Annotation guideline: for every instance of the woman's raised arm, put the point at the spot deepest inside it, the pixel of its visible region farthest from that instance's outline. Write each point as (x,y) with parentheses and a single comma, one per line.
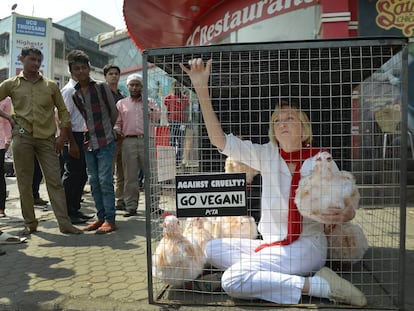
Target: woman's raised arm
(199,74)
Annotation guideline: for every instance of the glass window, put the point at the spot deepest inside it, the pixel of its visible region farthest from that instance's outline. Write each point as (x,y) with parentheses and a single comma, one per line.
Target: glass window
(58,80)
(59,49)
(4,44)
(4,74)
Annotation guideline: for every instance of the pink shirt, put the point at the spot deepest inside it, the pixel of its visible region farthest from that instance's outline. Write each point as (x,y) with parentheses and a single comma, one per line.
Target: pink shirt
(5,128)
(130,120)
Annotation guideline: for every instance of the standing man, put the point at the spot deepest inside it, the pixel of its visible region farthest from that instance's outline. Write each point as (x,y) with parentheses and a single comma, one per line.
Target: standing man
(74,175)
(130,126)
(96,104)
(5,140)
(176,103)
(33,124)
(112,74)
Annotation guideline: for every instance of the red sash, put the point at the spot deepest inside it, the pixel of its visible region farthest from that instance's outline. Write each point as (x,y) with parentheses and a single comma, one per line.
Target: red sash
(294,217)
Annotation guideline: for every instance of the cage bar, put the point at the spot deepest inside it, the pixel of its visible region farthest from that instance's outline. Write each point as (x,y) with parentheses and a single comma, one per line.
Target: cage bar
(354,91)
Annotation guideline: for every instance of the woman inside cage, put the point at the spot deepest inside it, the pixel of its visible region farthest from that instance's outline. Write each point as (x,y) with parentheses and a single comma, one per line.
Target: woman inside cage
(280,268)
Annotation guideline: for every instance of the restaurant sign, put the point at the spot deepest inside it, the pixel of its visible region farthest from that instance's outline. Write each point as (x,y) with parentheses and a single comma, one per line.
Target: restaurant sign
(396,14)
(233,15)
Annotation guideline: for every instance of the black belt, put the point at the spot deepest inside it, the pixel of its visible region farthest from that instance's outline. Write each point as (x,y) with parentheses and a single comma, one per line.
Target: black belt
(134,136)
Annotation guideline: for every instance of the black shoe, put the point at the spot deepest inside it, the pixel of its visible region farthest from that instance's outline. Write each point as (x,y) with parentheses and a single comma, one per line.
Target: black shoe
(84,216)
(157,211)
(120,207)
(76,220)
(130,213)
(40,201)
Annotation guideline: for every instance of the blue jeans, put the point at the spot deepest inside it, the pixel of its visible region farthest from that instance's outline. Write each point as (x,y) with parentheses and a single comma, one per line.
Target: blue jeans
(99,168)
(177,135)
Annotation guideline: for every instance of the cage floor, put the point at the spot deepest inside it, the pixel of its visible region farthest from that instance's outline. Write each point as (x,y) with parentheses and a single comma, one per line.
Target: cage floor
(377,291)
(377,275)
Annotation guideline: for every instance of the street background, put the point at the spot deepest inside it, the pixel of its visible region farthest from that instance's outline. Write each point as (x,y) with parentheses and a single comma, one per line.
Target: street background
(90,272)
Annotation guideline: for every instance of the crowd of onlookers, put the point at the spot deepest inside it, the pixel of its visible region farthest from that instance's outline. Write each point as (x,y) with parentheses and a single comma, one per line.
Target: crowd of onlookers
(90,130)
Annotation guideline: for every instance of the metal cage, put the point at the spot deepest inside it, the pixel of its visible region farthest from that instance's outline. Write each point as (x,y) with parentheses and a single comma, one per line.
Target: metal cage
(342,85)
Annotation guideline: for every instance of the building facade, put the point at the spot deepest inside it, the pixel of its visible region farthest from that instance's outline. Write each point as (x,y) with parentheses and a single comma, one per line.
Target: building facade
(54,40)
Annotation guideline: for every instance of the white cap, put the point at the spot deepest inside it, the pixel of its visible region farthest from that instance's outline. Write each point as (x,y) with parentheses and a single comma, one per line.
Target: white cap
(134,76)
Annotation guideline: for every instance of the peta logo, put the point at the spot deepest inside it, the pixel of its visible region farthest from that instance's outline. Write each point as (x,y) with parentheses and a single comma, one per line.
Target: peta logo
(211,212)
(396,13)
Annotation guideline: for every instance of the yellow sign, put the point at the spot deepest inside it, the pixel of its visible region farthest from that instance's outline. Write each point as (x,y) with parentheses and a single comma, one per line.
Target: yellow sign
(396,13)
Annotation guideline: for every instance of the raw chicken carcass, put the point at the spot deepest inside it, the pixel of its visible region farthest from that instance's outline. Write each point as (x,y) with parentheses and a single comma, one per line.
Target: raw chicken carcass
(232,166)
(346,242)
(326,187)
(176,260)
(197,231)
(243,227)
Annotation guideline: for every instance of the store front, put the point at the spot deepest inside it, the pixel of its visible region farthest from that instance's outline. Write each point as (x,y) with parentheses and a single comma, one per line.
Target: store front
(216,22)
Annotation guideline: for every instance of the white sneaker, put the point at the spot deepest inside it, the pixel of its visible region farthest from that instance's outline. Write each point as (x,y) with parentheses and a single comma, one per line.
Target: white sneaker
(342,291)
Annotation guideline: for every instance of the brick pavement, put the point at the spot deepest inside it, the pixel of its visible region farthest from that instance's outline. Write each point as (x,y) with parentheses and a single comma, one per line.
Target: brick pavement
(92,272)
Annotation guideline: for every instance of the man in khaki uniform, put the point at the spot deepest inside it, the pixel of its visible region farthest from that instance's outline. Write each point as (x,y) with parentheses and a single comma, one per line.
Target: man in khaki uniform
(34,100)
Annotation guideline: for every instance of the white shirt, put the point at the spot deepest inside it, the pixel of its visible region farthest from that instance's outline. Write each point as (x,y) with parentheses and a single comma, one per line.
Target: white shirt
(276,181)
(76,118)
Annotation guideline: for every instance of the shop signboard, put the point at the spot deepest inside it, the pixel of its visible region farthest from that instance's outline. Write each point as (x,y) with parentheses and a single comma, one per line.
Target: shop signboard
(29,31)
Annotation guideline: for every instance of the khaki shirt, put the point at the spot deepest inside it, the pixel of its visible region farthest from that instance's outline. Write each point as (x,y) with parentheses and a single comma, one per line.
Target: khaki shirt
(34,104)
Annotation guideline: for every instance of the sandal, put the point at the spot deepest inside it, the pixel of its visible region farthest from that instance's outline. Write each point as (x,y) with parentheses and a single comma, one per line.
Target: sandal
(2,213)
(93,226)
(208,283)
(27,232)
(6,238)
(106,228)
(71,230)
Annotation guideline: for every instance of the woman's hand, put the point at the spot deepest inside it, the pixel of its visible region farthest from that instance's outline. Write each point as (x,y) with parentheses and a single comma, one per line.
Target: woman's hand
(199,72)
(338,215)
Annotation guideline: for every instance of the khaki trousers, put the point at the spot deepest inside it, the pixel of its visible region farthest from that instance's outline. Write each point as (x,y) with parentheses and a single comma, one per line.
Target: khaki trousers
(133,155)
(24,148)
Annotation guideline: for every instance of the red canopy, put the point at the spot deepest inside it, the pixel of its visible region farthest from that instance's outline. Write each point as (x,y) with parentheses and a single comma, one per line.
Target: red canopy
(164,23)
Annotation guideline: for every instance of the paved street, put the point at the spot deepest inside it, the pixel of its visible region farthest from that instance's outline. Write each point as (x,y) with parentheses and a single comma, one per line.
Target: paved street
(90,272)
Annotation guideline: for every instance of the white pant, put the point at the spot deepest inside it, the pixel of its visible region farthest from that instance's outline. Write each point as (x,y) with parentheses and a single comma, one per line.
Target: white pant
(275,274)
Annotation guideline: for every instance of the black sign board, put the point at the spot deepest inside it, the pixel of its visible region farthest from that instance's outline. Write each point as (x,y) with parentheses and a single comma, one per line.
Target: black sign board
(211,195)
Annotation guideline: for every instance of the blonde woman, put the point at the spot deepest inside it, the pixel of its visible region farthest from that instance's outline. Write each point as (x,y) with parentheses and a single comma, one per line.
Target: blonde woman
(280,267)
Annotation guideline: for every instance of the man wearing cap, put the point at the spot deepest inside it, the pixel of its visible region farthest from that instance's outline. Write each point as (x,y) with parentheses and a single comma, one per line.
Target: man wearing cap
(130,125)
